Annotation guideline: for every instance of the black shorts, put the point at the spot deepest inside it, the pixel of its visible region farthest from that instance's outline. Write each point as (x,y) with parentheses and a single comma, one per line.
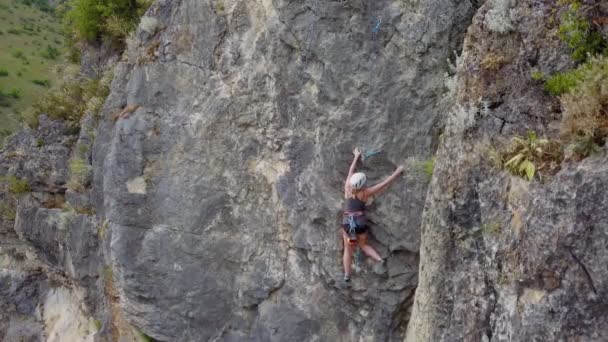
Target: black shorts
(358,229)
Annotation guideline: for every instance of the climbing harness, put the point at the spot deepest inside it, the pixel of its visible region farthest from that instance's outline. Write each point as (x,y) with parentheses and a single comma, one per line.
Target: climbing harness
(352,230)
(352,240)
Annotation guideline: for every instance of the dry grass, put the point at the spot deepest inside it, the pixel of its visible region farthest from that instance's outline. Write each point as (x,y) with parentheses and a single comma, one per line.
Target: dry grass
(493,62)
(585,106)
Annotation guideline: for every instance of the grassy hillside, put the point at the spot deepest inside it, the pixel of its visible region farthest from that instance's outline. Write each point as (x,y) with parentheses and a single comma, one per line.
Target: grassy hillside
(32,44)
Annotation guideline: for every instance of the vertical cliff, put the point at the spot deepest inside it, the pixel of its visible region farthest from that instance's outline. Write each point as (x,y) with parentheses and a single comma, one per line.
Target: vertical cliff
(203,203)
(222,190)
(504,258)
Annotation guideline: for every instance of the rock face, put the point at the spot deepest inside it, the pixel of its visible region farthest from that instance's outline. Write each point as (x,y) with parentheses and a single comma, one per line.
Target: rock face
(213,208)
(223,189)
(50,260)
(503,259)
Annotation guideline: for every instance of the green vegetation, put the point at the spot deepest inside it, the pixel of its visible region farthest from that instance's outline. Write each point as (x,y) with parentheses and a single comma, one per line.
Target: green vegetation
(582,91)
(585,108)
(5,99)
(42,5)
(104,19)
(24,22)
(3,72)
(525,156)
(16,185)
(42,83)
(18,54)
(98,324)
(584,146)
(537,75)
(428,167)
(50,52)
(70,98)
(79,174)
(8,211)
(143,337)
(108,273)
(491,228)
(102,229)
(562,82)
(576,31)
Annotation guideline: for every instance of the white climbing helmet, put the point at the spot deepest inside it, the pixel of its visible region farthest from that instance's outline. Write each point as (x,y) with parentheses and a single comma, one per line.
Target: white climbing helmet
(357,180)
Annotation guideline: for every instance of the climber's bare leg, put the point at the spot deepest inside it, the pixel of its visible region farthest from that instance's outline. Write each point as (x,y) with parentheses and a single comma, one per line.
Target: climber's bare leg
(367,249)
(348,254)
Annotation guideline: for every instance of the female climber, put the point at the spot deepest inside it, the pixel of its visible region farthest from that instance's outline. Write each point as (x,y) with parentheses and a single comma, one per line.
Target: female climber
(353,221)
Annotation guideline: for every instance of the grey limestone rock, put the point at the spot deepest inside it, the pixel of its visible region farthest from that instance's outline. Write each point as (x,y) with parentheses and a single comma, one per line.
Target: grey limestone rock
(504,259)
(223,189)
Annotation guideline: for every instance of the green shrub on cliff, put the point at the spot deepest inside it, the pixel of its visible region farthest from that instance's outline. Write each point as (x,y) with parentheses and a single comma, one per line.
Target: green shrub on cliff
(70,98)
(576,31)
(526,156)
(585,107)
(110,19)
(79,174)
(563,82)
(16,185)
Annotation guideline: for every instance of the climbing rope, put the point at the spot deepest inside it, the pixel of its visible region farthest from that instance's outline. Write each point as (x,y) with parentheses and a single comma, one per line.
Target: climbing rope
(308,40)
(375,30)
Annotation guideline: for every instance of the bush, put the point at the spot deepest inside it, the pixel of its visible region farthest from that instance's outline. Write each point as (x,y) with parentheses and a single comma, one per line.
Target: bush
(43,83)
(4,99)
(3,72)
(585,106)
(19,54)
(8,211)
(16,185)
(43,5)
(70,98)
(576,31)
(15,93)
(527,156)
(79,174)
(427,167)
(537,75)
(50,52)
(584,146)
(14,31)
(562,83)
(114,19)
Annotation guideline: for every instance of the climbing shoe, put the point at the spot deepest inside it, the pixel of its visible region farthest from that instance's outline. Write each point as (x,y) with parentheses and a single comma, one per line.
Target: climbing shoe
(380,267)
(347,278)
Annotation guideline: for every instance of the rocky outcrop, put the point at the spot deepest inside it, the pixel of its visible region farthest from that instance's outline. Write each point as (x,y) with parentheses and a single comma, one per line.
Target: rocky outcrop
(222,190)
(503,259)
(209,191)
(50,257)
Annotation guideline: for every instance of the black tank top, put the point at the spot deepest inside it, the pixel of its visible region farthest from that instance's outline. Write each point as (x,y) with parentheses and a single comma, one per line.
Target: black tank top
(354,204)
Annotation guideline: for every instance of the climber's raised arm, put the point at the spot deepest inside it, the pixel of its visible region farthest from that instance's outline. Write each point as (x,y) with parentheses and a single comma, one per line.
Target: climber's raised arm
(351,170)
(373,190)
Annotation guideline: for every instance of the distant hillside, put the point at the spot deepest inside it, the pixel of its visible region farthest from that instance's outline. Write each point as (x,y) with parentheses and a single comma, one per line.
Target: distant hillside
(32,43)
